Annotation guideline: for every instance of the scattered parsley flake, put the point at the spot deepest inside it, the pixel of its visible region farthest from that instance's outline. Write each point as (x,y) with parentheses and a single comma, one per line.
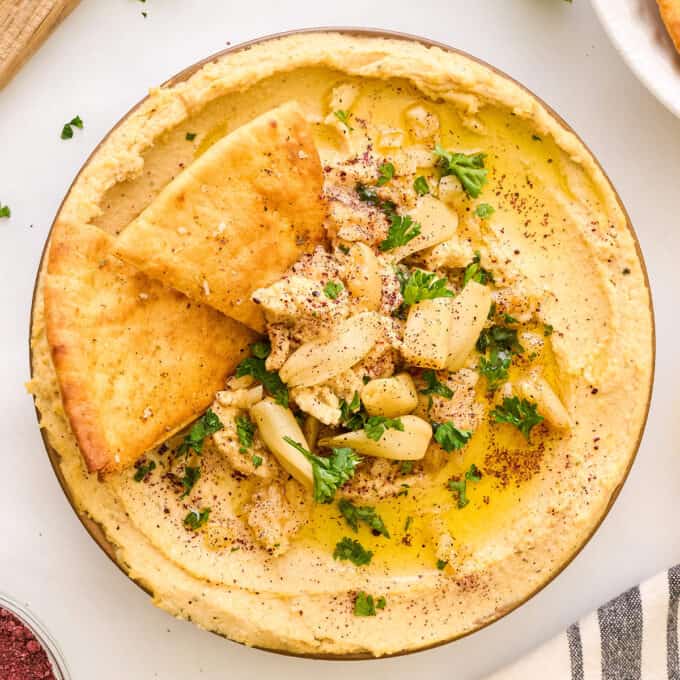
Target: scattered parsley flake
(433,386)
(547,330)
(484,210)
(67,130)
(535,137)
(354,514)
(468,168)
(144,470)
(473,474)
(369,195)
(422,285)
(402,230)
(329,473)
(499,338)
(406,467)
(441,564)
(407,524)
(376,425)
(257,461)
(420,186)
(522,414)
(5,211)
(190,136)
(386,171)
(450,438)
(191,476)
(352,416)
(381,602)
(365,605)
(459,486)
(475,272)
(204,427)
(245,429)
(195,519)
(352,550)
(261,349)
(255,367)
(332,289)
(343,117)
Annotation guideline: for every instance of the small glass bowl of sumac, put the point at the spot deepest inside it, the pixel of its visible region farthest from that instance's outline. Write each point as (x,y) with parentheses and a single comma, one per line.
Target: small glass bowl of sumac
(27,650)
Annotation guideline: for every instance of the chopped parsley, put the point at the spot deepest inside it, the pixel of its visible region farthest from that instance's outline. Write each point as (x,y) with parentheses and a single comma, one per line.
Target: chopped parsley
(386,171)
(329,473)
(522,414)
(245,429)
(352,415)
(484,210)
(406,467)
(67,130)
(195,519)
(366,605)
(441,564)
(370,196)
(354,514)
(547,330)
(255,367)
(459,486)
(402,230)
(352,550)
(535,137)
(468,168)
(495,368)
(433,386)
(420,186)
(422,285)
(343,117)
(499,338)
(509,319)
(257,461)
(143,470)
(205,426)
(191,476)
(450,438)
(332,289)
(190,136)
(376,425)
(5,211)
(407,524)
(475,272)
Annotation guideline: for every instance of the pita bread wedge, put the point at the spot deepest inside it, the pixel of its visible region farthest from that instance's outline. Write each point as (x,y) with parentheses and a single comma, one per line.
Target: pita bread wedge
(670,13)
(135,361)
(236,218)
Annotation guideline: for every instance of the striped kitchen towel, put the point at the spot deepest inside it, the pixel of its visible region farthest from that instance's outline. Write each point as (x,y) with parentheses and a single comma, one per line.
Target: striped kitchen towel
(632,637)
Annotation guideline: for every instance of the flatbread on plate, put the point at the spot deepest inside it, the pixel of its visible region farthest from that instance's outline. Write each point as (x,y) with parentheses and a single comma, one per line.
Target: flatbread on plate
(236,218)
(135,361)
(670,13)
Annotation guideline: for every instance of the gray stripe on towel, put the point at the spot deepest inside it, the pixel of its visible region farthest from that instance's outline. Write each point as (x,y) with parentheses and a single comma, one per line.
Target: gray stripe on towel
(621,636)
(575,651)
(672,623)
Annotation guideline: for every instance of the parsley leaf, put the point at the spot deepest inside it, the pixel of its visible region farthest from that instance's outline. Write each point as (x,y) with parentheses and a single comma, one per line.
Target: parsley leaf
(484,210)
(5,211)
(245,429)
(143,470)
(332,289)
(343,117)
(468,168)
(376,425)
(205,426)
(365,605)
(352,550)
(500,338)
(420,186)
(386,171)
(329,473)
(257,461)
(195,519)
(522,414)
(191,476)
(473,474)
(354,514)
(547,330)
(475,272)
(434,386)
(351,414)
(67,130)
(190,136)
(495,368)
(270,380)
(441,564)
(261,349)
(450,438)
(370,196)
(422,285)
(402,230)
(459,486)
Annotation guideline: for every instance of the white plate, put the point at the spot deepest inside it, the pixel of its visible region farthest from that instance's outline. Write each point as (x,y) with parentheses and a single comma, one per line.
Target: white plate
(638,33)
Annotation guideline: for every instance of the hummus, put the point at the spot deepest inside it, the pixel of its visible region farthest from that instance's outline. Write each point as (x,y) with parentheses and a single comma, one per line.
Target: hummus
(535,421)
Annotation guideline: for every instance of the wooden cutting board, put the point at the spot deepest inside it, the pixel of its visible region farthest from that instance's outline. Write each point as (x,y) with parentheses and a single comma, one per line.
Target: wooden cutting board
(24,25)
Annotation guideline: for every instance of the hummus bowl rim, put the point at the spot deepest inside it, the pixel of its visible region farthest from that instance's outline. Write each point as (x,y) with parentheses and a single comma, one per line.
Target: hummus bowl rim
(95,530)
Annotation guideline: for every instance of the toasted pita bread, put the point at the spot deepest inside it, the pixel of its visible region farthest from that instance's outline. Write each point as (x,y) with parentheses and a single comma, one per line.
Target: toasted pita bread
(135,361)
(236,218)
(670,13)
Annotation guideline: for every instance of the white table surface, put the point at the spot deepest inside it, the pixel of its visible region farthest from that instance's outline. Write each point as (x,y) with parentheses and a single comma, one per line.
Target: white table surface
(99,63)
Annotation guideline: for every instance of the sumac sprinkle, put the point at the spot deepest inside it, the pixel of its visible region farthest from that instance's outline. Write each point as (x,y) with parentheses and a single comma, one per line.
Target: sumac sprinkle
(22,657)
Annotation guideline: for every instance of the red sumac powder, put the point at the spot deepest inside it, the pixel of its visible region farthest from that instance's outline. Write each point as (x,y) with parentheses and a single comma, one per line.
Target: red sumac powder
(22,657)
